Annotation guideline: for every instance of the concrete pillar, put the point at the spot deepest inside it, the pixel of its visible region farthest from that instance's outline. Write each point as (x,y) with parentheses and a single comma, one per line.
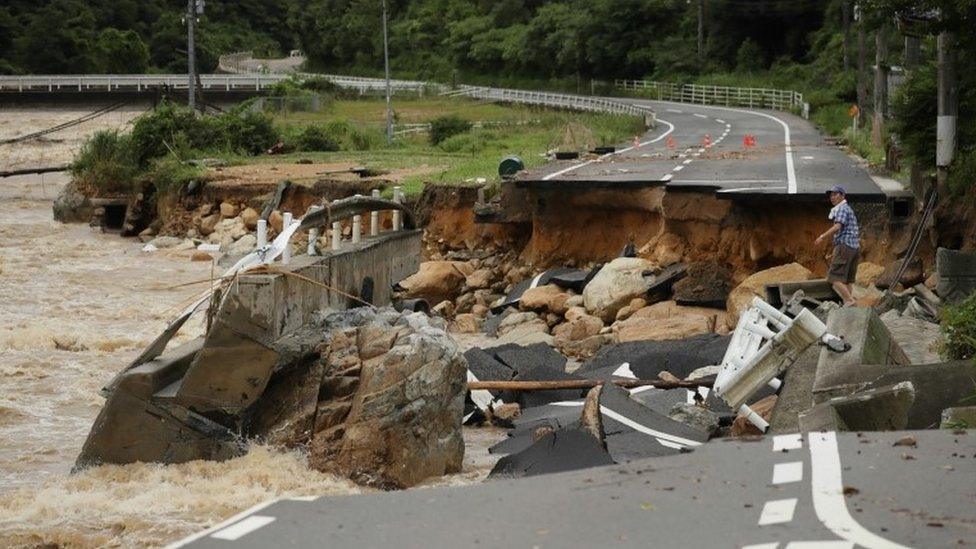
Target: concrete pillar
(357,228)
(313,236)
(481,195)
(262,233)
(286,254)
(374,217)
(336,235)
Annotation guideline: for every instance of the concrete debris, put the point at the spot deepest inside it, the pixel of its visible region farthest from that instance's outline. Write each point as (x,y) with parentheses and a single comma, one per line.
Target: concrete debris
(882,409)
(957,274)
(919,339)
(696,416)
(741,297)
(870,341)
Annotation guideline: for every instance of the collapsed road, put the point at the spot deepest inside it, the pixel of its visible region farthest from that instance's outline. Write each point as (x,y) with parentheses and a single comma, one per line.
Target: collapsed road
(821,490)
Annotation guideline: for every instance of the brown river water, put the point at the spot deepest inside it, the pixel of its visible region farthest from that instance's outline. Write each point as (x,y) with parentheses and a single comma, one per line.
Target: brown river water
(76,306)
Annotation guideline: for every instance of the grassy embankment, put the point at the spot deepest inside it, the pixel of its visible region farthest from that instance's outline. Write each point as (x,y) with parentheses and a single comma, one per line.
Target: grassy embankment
(499,131)
(162,145)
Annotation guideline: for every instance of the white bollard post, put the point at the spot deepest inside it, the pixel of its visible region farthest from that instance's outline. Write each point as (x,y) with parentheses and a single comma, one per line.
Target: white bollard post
(336,235)
(397,214)
(357,228)
(313,236)
(286,253)
(262,233)
(481,195)
(374,217)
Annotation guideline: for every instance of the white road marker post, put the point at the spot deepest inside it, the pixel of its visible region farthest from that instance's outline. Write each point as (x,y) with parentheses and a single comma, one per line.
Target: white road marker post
(357,228)
(336,235)
(397,214)
(286,253)
(262,233)
(313,236)
(374,217)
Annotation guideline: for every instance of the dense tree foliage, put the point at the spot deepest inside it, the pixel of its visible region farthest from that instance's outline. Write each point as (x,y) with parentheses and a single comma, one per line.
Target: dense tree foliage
(78,36)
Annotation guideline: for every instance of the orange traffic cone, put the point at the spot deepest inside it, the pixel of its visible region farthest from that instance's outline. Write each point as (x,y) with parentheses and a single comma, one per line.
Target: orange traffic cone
(636,142)
(707,141)
(671,143)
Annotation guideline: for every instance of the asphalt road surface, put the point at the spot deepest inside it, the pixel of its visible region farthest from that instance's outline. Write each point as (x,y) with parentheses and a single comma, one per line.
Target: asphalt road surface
(733,151)
(822,490)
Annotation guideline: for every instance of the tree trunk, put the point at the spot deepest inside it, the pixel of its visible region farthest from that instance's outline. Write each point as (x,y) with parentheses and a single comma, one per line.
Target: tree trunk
(845,6)
(880,86)
(862,84)
(701,32)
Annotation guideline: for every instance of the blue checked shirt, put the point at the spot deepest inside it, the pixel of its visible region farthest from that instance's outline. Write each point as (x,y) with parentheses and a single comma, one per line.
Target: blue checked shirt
(849,233)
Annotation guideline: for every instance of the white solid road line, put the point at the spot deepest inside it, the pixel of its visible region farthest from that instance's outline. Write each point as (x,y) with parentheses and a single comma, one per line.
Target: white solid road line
(243,528)
(787,442)
(777,511)
(785,473)
(588,162)
(664,438)
(828,494)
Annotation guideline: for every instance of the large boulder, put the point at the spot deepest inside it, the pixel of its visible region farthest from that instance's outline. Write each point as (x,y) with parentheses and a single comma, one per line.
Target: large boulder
(741,297)
(437,281)
(540,297)
(72,204)
(390,401)
(666,321)
(615,285)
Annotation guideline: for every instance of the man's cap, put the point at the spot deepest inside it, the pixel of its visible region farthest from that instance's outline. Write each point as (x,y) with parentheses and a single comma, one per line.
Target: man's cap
(837,189)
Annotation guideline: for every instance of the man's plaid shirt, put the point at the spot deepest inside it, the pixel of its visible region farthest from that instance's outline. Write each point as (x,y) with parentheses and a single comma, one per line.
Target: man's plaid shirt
(849,233)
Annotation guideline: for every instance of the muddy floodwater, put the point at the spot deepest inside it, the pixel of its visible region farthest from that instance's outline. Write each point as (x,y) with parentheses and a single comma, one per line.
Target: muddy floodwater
(77,305)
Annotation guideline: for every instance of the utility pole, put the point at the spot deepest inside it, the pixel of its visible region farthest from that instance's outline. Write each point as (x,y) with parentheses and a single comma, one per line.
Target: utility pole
(845,7)
(701,32)
(862,85)
(386,64)
(880,85)
(945,146)
(193,8)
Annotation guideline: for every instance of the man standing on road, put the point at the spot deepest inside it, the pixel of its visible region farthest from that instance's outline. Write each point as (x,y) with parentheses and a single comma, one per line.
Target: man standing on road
(847,244)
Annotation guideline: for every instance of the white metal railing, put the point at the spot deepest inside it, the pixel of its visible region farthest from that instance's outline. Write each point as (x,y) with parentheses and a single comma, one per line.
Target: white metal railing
(784,100)
(134,82)
(559,100)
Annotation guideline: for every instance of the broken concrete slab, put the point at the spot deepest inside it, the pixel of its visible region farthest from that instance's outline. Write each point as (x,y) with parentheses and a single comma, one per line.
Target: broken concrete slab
(881,409)
(919,339)
(818,289)
(957,274)
(937,386)
(796,394)
(870,344)
(695,416)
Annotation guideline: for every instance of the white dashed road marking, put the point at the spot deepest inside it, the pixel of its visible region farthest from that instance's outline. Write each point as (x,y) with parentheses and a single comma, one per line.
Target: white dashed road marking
(785,473)
(787,442)
(777,511)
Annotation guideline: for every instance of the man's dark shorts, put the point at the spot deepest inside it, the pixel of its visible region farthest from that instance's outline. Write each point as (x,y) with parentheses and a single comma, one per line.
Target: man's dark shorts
(843,267)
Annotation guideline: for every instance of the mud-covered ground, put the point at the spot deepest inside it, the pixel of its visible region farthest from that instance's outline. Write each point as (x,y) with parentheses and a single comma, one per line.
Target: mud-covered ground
(77,305)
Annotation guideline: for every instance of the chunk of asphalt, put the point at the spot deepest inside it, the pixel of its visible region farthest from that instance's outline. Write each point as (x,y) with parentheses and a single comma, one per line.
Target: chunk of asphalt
(660,400)
(624,447)
(521,359)
(648,358)
(576,279)
(515,295)
(628,411)
(660,289)
(556,452)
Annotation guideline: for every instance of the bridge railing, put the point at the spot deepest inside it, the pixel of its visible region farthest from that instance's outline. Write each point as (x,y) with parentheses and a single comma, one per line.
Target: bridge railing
(771,98)
(559,101)
(139,82)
